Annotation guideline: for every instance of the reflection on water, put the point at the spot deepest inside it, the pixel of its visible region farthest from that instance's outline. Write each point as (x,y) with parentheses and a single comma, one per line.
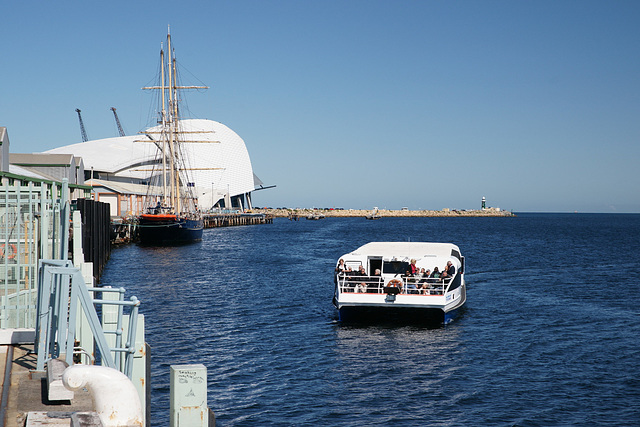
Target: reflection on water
(415,364)
(382,343)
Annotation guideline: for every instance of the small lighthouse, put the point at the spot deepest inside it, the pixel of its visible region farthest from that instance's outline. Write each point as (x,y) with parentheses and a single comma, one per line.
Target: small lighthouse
(484,203)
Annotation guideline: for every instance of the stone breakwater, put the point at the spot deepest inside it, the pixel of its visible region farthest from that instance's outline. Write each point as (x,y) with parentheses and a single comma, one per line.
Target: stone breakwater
(342,213)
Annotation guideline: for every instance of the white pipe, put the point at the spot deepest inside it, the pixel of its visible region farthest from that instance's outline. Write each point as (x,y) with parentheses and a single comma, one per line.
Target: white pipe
(116,399)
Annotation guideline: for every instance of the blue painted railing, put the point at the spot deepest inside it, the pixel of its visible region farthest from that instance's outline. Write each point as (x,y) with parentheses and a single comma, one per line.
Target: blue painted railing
(61,287)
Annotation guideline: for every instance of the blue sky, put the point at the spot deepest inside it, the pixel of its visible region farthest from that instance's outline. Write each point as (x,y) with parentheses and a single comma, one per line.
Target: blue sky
(425,104)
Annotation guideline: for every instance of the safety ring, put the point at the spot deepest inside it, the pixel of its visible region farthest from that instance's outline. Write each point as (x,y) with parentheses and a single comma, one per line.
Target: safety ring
(394,283)
(13,251)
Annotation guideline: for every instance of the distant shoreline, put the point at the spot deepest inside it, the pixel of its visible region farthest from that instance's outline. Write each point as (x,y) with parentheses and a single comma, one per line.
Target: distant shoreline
(342,213)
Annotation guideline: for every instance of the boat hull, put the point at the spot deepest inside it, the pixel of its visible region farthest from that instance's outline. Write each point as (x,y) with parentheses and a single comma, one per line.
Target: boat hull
(167,230)
(381,315)
(369,312)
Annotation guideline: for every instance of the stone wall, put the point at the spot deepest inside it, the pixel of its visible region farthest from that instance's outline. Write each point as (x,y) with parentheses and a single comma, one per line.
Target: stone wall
(490,212)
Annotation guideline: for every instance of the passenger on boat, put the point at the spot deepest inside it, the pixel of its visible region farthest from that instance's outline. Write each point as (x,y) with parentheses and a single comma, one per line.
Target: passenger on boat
(451,270)
(412,288)
(341,268)
(413,268)
(375,283)
(362,286)
(435,275)
(423,284)
(444,277)
(414,284)
(448,273)
(424,288)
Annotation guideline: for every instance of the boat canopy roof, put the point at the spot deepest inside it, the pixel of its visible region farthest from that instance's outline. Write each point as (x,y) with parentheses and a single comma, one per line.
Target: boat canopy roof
(409,250)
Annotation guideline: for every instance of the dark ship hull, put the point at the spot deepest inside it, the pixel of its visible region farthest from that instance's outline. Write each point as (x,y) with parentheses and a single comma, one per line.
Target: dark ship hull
(167,230)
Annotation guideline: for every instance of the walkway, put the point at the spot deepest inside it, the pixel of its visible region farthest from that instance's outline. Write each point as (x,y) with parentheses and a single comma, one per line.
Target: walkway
(27,391)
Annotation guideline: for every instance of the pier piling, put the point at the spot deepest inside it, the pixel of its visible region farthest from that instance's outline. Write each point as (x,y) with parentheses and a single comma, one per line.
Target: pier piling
(213,220)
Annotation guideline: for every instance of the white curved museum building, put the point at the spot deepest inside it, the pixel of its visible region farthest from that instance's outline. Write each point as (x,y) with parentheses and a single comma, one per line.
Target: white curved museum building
(119,168)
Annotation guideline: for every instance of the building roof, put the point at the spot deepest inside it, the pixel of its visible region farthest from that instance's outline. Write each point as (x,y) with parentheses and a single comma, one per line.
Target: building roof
(220,161)
(39,159)
(119,187)
(18,170)
(54,167)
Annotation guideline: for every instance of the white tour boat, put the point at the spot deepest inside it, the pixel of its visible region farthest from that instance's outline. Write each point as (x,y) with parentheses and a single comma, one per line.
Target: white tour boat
(375,282)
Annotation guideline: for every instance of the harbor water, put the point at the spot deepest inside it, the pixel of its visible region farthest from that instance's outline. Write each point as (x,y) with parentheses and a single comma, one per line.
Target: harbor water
(549,334)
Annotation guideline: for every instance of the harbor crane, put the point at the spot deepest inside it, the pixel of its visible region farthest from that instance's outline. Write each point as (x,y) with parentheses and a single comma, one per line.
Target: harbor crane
(120,130)
(84,132)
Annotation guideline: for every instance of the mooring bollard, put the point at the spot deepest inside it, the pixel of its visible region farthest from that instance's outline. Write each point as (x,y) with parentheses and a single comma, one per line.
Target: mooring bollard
(188,388)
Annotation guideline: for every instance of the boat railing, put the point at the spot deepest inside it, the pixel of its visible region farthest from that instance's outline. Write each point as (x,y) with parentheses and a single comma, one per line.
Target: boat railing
(360,284)
(351,283)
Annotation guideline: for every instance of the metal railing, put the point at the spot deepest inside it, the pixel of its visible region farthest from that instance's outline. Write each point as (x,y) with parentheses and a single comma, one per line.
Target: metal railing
(61,287)
(31,228)
(224,211)
(124,354)
(405,285)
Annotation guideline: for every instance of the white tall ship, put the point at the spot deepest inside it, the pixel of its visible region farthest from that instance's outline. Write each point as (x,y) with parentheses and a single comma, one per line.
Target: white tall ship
(383,281)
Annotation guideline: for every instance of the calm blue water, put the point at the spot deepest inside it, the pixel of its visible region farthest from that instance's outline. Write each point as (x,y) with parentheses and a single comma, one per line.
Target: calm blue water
(549,336)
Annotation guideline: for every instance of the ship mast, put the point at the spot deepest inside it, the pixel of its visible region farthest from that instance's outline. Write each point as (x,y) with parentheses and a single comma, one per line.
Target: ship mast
(170,129)
(164,127)
(173,125)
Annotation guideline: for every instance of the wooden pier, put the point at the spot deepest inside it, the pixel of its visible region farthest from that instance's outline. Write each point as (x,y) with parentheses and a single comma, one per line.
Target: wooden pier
(213,220)
(125,230)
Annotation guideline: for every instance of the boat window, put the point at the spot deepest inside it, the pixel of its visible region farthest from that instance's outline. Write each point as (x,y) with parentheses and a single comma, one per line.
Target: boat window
(395,267)
(456,283)
(353,265)
(455,253)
